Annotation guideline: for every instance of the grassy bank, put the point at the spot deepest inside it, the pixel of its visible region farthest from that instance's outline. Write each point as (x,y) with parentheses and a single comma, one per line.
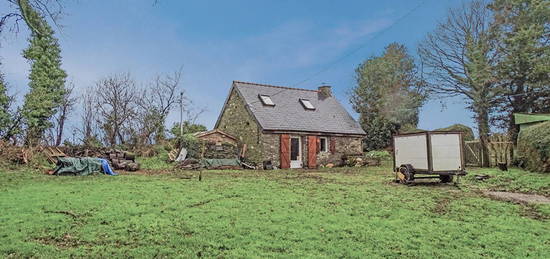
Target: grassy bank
(345,212)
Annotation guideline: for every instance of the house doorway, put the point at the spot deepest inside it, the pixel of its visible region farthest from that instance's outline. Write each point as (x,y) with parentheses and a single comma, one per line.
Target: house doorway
(295,152)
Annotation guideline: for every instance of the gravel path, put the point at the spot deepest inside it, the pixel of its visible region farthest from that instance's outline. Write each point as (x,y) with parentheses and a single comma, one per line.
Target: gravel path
(518,197)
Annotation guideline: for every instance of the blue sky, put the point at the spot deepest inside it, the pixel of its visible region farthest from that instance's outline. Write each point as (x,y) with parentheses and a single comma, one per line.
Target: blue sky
(216,42)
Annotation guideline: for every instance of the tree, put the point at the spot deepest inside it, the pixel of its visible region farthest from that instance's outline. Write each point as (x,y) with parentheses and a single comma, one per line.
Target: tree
(188,128)
(65,108)
(47,79)
(53,9)
(387,95)
(116,107)
(156,102)
(89,129)
(459,58)
(523,31)
(5,101)
(10,121)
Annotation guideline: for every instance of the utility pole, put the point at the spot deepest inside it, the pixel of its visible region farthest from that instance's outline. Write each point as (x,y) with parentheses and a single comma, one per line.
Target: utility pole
(181,114)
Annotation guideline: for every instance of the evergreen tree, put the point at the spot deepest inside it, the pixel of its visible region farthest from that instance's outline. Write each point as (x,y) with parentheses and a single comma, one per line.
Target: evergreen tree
(523,30)
(387,96)
(47,79)
(10,121)
(5,100)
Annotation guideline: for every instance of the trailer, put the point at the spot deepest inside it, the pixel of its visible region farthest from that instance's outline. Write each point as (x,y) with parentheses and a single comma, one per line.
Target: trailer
(428,155)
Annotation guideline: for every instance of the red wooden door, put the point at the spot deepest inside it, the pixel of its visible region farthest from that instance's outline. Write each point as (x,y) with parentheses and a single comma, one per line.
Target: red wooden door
(285,151)
(312,151)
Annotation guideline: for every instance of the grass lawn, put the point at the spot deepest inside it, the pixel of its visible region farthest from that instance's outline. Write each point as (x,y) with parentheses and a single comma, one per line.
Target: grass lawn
(346,212)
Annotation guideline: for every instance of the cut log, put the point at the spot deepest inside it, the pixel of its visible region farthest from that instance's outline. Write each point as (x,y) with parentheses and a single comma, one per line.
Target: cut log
(132,166)
(130,156)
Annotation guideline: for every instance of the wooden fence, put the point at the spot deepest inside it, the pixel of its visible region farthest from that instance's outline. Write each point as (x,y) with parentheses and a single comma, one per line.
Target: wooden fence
(500,150)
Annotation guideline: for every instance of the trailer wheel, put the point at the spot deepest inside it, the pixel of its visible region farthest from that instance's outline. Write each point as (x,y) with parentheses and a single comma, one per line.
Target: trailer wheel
(405,174)
(446,178)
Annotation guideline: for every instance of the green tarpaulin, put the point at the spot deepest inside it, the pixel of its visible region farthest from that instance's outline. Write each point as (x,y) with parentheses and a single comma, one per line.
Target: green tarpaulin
(77,166)
(213,163)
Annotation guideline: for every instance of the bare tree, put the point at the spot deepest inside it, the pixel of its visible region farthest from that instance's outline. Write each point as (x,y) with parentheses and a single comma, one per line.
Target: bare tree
(459,57)
(65,108)
(116,106)
(89,129)
(156,102)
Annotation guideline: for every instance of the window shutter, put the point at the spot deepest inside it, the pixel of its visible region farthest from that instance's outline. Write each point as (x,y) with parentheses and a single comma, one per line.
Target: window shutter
(285,151)
(332,147)
(312,151)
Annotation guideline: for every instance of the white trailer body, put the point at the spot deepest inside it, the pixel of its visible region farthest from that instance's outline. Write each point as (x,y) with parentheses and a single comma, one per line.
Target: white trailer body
(431,152)
(411,149)
(446,152)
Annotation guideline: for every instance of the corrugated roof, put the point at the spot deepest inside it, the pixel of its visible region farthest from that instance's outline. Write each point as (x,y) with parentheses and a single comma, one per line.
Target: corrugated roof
(329,116)
(522,118)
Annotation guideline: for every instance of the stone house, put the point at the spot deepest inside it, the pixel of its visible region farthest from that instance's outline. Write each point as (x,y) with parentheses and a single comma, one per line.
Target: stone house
(291,127)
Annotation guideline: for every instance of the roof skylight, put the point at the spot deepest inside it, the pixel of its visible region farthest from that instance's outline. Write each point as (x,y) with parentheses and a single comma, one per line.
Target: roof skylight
(266,100)
(307,104)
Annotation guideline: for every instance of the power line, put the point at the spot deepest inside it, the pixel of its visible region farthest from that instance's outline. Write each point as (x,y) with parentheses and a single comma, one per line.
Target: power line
(360,47)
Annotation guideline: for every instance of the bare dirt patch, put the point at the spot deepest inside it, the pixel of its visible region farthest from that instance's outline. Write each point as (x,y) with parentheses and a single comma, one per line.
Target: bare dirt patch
(518,197)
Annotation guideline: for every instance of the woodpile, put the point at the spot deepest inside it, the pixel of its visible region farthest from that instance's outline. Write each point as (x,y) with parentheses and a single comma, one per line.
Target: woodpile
(52,153)
(119,160)
(122,160)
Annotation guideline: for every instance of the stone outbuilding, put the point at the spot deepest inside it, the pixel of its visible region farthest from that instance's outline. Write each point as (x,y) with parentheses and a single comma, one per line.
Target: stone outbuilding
(216,144)
(289,127)
(216,136)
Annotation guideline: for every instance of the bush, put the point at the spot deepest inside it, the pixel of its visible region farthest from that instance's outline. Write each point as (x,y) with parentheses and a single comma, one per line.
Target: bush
(533,149)
(379,133)
(468,132)
(191,143)
(383,155)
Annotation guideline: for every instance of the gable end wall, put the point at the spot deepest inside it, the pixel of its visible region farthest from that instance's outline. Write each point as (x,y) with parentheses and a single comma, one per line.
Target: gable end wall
(239,123)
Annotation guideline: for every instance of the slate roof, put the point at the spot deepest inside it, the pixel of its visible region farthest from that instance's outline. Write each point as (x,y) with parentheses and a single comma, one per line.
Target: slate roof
(288,113)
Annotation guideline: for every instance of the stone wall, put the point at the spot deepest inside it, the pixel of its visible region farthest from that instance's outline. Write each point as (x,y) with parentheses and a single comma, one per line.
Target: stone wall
(271,144)
(239,123)
(343,146)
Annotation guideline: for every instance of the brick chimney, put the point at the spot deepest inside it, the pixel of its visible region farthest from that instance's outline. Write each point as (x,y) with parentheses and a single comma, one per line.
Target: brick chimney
(325,90)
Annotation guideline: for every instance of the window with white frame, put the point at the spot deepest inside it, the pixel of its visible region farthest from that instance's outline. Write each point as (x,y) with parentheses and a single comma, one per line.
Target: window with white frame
(266,100)
(323,144)
(307,104)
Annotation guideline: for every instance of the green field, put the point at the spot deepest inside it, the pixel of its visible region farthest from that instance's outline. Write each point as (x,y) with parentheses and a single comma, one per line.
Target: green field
(346,212)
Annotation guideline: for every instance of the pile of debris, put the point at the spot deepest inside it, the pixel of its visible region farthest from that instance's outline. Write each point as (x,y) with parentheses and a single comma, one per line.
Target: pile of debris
(122,160)
(14,154)
(53,153)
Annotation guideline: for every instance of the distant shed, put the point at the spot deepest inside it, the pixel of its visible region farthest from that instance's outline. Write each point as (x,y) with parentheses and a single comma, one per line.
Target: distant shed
(216,136)
(525,120)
